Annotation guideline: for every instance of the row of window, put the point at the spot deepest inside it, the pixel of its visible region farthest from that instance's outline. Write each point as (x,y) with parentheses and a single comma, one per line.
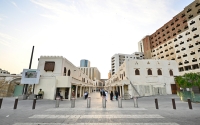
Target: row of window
(180,36)
(189,67)
(149,72)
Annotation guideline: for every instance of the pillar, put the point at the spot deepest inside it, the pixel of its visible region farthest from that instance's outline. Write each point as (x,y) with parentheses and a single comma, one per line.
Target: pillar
(80,91)
(76,91)
(120,89)
(70,93)
(123,91)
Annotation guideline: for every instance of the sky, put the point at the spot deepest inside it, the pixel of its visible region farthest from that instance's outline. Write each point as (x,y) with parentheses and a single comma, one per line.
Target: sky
(78,29)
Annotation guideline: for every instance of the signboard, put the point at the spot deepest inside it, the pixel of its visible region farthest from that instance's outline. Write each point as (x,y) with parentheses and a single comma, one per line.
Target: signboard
(30,76)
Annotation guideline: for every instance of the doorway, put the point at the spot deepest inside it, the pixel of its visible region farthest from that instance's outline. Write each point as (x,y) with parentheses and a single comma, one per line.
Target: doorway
(174,88)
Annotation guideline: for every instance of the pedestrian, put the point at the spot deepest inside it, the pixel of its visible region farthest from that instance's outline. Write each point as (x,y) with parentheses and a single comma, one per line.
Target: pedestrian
(106,93)
(116,94)
(111,95)
(101,92)
(59,95)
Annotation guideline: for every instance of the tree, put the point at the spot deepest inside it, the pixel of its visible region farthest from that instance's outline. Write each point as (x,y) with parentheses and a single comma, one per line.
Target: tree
(188,80)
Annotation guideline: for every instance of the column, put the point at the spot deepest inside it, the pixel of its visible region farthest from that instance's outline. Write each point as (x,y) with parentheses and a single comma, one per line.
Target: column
(70,93)
(122,91)
(89,90)
(80,91)
(76,91)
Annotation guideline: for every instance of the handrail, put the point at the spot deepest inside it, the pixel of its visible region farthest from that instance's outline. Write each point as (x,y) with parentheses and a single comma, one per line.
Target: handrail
(134,87)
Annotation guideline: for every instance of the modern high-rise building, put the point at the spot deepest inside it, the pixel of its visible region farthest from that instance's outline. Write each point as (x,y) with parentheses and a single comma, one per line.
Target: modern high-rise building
(84,63)
(118,59)
(177,40)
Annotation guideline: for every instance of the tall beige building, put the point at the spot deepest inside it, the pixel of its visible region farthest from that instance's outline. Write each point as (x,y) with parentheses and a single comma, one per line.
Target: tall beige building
(177,40)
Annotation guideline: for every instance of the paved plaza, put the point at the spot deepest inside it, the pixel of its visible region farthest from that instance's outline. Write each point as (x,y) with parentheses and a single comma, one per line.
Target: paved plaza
(45,112)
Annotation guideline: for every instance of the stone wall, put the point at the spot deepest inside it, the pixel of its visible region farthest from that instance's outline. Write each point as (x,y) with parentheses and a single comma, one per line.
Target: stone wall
(3,88)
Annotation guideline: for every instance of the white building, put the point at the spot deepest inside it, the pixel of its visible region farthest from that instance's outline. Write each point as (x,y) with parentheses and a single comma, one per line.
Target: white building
(59,74)
(149,77)
(118,59)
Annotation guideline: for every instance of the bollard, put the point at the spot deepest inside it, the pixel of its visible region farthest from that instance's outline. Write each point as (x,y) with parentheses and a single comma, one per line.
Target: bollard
(88,102)
(34,103)
(1,100)
(72,102)
(189,104)
(57,102)
(104,102)
(16,102)
(135,102)
(120,102)
(173,104)
(156,103)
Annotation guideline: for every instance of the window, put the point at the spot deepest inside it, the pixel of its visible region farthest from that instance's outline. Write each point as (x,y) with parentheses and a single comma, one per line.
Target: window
(172,23)
(176,20)
(183,49)
(186,27)
(186,62)
(194,60)
(192,22)
(183,15)
(179,57)
(165,45)
(195,36)
(198,11)
(177,51)
(174,34)
(187,33)
(190,16)
(193,29)
(137,72)
(173,29)
(181,69)
(170,72)
(65,71)
(180,36)
(182,42)
(179,31)
(166,50)
(197,4)
(184,21)
(176,45)
(192,53)
(159,72)
(177,25)
(190,46)
(180,63)
(189,10)
(68,74)
(149,72)
(175,39)
(185,55)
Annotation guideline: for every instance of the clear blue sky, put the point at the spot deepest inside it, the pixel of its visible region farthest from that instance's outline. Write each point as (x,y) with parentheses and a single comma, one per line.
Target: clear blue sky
(78,29)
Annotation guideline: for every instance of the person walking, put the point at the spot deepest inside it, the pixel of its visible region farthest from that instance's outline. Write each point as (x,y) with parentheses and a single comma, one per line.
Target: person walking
(106,95)
(111,95)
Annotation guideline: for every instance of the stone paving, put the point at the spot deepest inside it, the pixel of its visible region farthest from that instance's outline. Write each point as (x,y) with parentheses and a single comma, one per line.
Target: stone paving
(45,112)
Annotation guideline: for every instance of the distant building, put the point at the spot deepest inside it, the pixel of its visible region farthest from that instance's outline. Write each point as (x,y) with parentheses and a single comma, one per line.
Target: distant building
(109,74)
(84,63)
(118,59)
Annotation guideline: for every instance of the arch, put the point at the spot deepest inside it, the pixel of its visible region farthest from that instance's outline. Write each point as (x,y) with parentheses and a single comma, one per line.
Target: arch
(149,72)
(170,72)
(69,72)
(137,72)
(159,72)
(65,71)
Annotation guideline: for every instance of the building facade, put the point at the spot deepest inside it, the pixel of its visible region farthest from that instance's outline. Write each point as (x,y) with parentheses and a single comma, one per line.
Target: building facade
(144,78)
(118,59)
(59,74)
(84,63)
(177,40)
(94,74)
